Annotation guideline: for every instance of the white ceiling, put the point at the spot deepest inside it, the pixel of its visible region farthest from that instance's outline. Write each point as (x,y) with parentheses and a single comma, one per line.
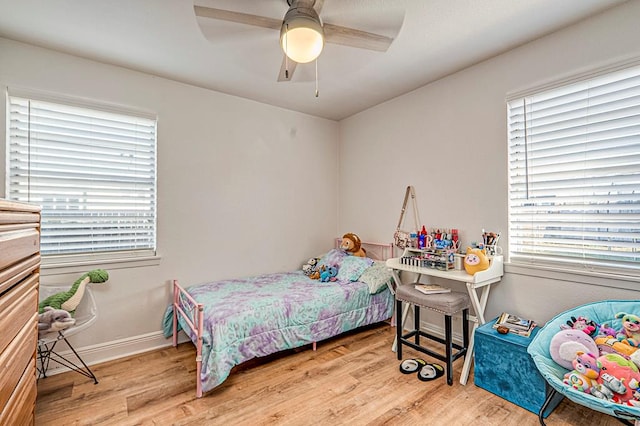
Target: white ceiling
(432,38)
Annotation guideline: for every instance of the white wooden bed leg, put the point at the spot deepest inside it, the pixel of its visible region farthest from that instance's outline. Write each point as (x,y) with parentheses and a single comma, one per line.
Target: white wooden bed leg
(313,346)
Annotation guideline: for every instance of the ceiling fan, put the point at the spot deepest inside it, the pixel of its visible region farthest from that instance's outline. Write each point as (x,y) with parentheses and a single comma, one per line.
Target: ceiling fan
(302,17)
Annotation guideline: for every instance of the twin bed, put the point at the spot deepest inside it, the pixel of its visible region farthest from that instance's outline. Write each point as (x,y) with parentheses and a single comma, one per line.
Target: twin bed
(233,321)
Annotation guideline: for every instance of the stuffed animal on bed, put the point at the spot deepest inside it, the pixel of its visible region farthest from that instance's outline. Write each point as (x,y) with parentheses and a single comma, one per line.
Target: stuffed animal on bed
(328,273)
(311,266)
(352,245)
(630,331)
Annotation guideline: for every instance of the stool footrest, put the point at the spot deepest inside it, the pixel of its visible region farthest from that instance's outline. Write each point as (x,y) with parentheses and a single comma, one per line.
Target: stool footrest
(454,356)
(430,336)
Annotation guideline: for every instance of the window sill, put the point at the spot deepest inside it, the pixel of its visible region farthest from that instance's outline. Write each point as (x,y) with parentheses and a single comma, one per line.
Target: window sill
(61,267)
(585,277)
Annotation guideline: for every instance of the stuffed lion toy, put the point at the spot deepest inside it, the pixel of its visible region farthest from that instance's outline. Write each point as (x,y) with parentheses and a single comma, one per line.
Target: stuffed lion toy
(352,245)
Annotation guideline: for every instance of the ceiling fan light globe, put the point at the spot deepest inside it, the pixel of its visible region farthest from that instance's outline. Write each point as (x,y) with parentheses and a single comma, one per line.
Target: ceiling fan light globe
(301,34)
(302,44)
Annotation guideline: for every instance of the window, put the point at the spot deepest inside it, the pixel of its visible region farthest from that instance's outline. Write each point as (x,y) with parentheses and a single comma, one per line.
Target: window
(93,171)
(574,168)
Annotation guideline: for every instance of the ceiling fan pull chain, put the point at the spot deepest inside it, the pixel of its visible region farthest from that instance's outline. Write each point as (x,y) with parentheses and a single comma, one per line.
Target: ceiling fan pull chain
(316,77)
(286,57)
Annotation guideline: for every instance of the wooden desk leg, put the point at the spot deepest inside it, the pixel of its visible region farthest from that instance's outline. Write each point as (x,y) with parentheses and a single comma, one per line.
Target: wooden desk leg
(479,306)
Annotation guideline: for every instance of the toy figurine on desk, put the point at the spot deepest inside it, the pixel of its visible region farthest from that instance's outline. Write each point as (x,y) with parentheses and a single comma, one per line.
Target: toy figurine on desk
(476,260)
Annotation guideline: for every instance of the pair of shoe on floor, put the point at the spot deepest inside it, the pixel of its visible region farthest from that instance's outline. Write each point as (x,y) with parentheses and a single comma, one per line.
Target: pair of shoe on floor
(426,371)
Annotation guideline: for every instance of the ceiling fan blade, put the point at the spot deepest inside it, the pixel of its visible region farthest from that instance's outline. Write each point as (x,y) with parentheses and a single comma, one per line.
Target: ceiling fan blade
(356,38)
(334,34)
(239,17)
(289,66)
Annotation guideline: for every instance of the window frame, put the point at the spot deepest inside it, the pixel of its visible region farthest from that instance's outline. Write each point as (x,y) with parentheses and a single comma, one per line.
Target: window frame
(76,262)
(549,268)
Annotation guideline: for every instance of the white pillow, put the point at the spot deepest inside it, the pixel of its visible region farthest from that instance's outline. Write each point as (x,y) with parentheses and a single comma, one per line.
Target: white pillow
(376,277)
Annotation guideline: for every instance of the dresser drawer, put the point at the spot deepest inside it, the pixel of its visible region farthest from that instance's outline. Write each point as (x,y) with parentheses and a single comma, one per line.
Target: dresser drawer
(15,359)
(11,218)
(18,271)
(16,245)
(18,306)
(19,410)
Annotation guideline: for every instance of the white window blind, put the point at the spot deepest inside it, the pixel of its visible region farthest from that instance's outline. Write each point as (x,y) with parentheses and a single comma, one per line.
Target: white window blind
(574,166)
(92,171)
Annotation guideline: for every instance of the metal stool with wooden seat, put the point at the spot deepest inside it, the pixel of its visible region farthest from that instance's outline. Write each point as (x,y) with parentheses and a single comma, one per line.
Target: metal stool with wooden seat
(445,303)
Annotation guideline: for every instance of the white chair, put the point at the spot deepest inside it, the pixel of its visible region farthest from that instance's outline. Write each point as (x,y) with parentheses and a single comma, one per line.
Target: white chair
(85,315)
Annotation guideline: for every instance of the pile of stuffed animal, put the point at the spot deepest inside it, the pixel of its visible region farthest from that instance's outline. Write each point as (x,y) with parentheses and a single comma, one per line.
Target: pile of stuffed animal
(350,245)
(317,271)
(55,313)
(604,362)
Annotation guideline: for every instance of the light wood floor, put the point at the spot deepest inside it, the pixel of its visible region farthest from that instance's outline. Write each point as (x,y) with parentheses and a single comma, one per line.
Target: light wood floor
(352,379)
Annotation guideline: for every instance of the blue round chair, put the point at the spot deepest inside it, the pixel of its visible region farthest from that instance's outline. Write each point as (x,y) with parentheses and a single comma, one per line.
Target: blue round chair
(600,312)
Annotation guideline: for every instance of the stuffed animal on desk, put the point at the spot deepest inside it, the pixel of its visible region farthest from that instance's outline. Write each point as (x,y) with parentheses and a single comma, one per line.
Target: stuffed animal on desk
(352,245)
(476,260)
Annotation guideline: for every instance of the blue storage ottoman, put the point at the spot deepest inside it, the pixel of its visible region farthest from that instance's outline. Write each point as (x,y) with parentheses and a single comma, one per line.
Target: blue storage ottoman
(503,367)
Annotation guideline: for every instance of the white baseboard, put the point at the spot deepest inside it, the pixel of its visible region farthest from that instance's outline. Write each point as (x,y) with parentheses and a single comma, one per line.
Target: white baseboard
(116,349)
(109,351)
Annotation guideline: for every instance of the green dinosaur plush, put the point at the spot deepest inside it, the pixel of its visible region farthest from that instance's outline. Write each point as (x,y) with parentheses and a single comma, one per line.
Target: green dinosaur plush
(69,300)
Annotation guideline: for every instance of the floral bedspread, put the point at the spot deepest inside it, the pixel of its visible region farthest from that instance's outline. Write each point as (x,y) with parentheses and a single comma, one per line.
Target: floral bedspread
(258,316)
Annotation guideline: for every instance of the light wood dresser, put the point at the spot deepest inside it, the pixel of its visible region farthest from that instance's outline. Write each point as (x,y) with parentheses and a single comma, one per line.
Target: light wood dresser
(19,280)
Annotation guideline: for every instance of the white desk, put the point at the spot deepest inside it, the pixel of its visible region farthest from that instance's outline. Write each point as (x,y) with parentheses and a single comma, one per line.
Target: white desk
(480,281)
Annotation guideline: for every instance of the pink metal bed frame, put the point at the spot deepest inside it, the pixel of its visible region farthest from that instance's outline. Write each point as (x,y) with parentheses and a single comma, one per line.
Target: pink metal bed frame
(192,311)
(195,311)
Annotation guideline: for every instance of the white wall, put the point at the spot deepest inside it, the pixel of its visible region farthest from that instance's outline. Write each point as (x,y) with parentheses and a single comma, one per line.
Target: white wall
(449,140)
(243,187)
